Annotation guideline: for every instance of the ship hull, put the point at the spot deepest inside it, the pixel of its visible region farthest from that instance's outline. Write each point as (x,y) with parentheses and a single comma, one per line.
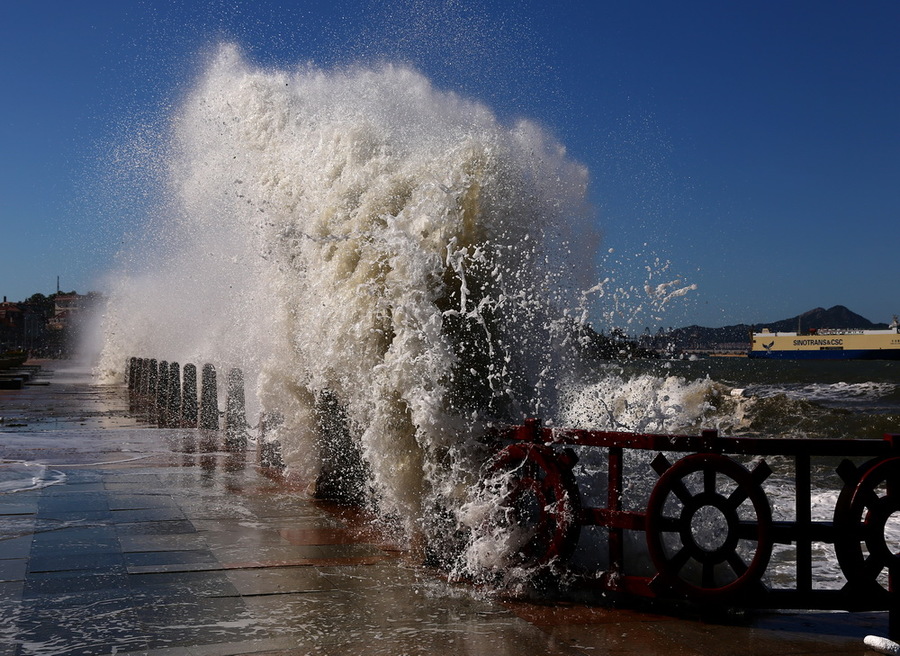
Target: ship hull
(831,345)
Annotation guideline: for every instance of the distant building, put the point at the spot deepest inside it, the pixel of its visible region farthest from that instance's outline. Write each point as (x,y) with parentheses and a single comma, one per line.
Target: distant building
(11,321)
(46,326)
(66,309)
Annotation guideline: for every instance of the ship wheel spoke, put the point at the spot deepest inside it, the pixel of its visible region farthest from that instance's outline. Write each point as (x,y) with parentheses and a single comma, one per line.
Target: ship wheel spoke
(680,559)
(709,481)
(680,491)
(736,498)
(867,498)
(670,524)
(872,566)
(709,574)
(738,566)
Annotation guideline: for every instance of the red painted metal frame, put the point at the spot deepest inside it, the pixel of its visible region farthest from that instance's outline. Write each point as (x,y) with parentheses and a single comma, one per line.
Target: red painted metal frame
(859,514)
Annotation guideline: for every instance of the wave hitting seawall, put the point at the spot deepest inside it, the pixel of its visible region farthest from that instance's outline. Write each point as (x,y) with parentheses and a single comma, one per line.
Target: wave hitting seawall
(361,241)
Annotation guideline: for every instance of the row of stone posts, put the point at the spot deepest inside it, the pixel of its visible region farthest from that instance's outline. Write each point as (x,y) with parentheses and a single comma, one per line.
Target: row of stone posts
(166,396)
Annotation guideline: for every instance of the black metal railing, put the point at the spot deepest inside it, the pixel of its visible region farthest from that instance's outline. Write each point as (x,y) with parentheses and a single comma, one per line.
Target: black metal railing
(708,521)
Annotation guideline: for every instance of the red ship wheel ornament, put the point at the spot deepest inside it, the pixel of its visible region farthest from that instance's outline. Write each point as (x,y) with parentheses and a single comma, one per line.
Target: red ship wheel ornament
(540,501)
(869,499)
(702,509)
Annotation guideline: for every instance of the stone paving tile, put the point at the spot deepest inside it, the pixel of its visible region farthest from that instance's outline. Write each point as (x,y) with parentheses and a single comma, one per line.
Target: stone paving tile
(73,502)
(13,569)
(195,583)
(277,581)
(174,527)
(175,568)
(18,546)
(140,501)
(74,539)
(64,562)
(19,505)
(162,542)
(140,515)
(163,558)
(65,582)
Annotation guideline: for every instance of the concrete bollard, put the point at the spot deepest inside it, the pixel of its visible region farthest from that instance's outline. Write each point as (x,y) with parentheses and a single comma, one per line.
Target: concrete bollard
(189,397)
(235,412)
(209,399)
(145,385)
(268,453)
(343,474)
(162,395)
(152,380)
(135,384)
(141,386)
(173,404)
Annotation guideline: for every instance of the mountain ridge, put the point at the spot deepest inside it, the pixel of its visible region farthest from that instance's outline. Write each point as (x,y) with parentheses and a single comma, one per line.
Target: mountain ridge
(837,317)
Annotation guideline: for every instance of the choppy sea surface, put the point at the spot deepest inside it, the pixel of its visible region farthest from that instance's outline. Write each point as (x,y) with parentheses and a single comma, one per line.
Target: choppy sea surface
(740,396)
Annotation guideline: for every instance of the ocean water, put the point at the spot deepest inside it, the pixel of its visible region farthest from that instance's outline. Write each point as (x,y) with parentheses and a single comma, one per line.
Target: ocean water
(741,397)
(393,261)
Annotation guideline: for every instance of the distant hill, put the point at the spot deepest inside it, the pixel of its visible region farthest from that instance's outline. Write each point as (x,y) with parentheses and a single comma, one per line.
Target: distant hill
(733,337)
(836,317)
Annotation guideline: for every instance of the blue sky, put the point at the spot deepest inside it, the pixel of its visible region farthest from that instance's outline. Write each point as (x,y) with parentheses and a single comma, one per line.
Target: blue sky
(754,145)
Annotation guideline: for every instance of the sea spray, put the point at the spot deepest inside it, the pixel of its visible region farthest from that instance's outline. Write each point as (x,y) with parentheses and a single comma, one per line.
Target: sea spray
(359,234)
(652,403)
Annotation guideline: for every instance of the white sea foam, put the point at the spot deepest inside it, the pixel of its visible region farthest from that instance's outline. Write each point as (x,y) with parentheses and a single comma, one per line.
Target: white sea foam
(23,476)
(652,404)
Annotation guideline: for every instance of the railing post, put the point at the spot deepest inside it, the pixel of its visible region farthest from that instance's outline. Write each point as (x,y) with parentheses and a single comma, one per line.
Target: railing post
(894,572)
(803,519)
(614,504)
(894,610)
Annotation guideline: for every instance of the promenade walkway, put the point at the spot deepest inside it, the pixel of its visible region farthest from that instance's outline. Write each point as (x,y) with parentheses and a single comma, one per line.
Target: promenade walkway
(117,538)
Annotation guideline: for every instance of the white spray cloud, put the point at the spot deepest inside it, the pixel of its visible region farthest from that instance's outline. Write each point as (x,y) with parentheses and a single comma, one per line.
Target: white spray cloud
(361,232)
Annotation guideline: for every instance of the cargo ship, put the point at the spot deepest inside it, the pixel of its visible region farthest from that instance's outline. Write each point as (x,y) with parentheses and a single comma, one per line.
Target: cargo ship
(828,344)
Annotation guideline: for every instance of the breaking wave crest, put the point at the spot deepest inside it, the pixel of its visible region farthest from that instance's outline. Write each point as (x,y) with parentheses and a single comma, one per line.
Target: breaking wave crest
(357,239)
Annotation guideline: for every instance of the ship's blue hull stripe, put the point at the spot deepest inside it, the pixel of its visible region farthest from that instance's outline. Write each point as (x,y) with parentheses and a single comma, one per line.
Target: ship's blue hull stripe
(859,354)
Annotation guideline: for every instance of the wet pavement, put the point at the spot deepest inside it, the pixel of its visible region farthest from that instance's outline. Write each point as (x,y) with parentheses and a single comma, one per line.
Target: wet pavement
(118,538)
